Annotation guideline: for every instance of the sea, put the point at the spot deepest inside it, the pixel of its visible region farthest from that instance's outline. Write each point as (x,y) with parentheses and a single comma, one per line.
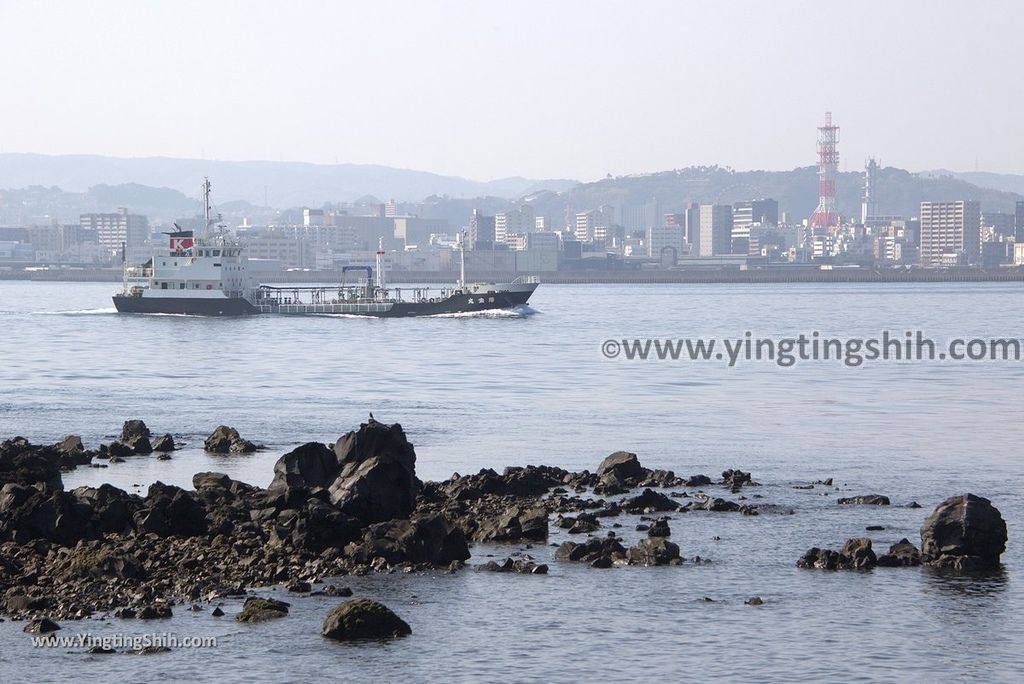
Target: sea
(544,385)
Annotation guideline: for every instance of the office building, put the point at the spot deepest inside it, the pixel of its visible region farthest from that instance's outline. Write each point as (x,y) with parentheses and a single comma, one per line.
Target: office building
(763,212)
(481,231)
(114,230)
(714,235)
(950,233)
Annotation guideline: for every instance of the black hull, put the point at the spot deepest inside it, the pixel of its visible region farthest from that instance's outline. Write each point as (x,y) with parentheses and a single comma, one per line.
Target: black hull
(187,306)
(458,304)
(237,306)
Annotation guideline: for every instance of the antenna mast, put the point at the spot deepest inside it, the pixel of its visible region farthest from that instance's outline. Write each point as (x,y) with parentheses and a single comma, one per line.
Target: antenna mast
(380,264)
(462,260)
(825,215)
(206,207)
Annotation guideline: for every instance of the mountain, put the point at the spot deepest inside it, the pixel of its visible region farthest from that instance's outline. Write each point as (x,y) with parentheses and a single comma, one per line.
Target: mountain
(899,192)
(281,184)
(1008,182)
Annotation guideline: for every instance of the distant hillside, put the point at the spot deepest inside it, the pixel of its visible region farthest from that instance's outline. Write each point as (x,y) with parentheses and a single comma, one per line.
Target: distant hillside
(40,205)
(1008,182)
(282,183)
(899,192)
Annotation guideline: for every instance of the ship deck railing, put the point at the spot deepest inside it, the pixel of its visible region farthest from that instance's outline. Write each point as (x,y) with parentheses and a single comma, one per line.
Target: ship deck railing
(325,308)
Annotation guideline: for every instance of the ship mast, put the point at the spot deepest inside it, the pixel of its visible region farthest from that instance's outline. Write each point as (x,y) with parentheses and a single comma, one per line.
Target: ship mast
(462,260)
(206,208)
(380,265)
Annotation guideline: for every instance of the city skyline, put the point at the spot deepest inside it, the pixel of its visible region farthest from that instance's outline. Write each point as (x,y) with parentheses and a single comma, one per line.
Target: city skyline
(572,90)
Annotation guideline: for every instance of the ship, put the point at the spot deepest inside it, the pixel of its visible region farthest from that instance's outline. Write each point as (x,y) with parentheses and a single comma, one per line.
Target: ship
(206,273)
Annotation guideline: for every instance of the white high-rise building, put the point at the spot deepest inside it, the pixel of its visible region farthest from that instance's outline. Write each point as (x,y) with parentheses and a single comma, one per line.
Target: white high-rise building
(950,228)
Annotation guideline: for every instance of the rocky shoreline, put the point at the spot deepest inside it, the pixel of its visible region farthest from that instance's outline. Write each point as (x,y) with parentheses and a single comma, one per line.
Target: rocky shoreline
(357,507)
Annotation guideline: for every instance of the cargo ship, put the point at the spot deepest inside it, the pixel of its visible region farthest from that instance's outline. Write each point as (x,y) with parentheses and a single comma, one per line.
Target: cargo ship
(206,273)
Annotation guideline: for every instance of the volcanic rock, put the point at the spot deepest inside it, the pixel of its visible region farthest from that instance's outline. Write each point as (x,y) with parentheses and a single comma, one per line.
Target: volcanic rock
(135,435)
(866,499)
(226,439)
(964,533)
(164,443)
(41,626)
(377,480)
(902,553)
(363,619)
(258,609)
(656,551)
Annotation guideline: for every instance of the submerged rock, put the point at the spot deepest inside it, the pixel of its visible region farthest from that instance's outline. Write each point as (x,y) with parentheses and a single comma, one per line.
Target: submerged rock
(902,553)
(648,501)
(856,554)
(607,549)
(522,566)
(363,619)
(226,439)
(659,528)
(865,500)
(656,551)
(258,609)
(964,533)
(736,479)
(164,443)
(41,626)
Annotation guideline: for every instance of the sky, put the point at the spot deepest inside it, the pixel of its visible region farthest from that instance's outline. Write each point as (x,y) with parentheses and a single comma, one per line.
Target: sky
(489,89)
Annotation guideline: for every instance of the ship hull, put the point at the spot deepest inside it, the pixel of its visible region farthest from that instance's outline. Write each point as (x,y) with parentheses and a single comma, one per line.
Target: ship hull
(186,306)
(469,302)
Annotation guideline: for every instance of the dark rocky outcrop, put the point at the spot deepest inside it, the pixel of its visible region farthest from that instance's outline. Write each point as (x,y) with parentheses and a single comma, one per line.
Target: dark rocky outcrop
(522,566)
(514,524)
(156,611)
(719,505)
(225,440)
(431,540)
(736,479)
(164,443)
(323,526)
(856,554)
(659,528)
(964,533)
(259,609)
(654,551)
(594,549)
(377,476)
(363,619)
(135,436)
(41,626)
(28,464)
(623,466)
(902,553)
(170,511)
(865,500)
(649,501)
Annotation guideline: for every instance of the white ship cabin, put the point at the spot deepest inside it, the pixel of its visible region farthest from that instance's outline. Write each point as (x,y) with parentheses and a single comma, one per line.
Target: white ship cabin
(201,268)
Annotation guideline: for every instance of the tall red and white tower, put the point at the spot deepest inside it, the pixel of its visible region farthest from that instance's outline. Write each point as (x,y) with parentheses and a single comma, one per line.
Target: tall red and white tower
(828,164)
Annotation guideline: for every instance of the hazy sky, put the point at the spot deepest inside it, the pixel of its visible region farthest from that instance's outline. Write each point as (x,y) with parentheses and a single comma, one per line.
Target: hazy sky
(487,89)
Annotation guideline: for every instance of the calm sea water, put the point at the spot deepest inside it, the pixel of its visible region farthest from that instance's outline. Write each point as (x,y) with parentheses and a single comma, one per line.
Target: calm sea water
(491,391)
